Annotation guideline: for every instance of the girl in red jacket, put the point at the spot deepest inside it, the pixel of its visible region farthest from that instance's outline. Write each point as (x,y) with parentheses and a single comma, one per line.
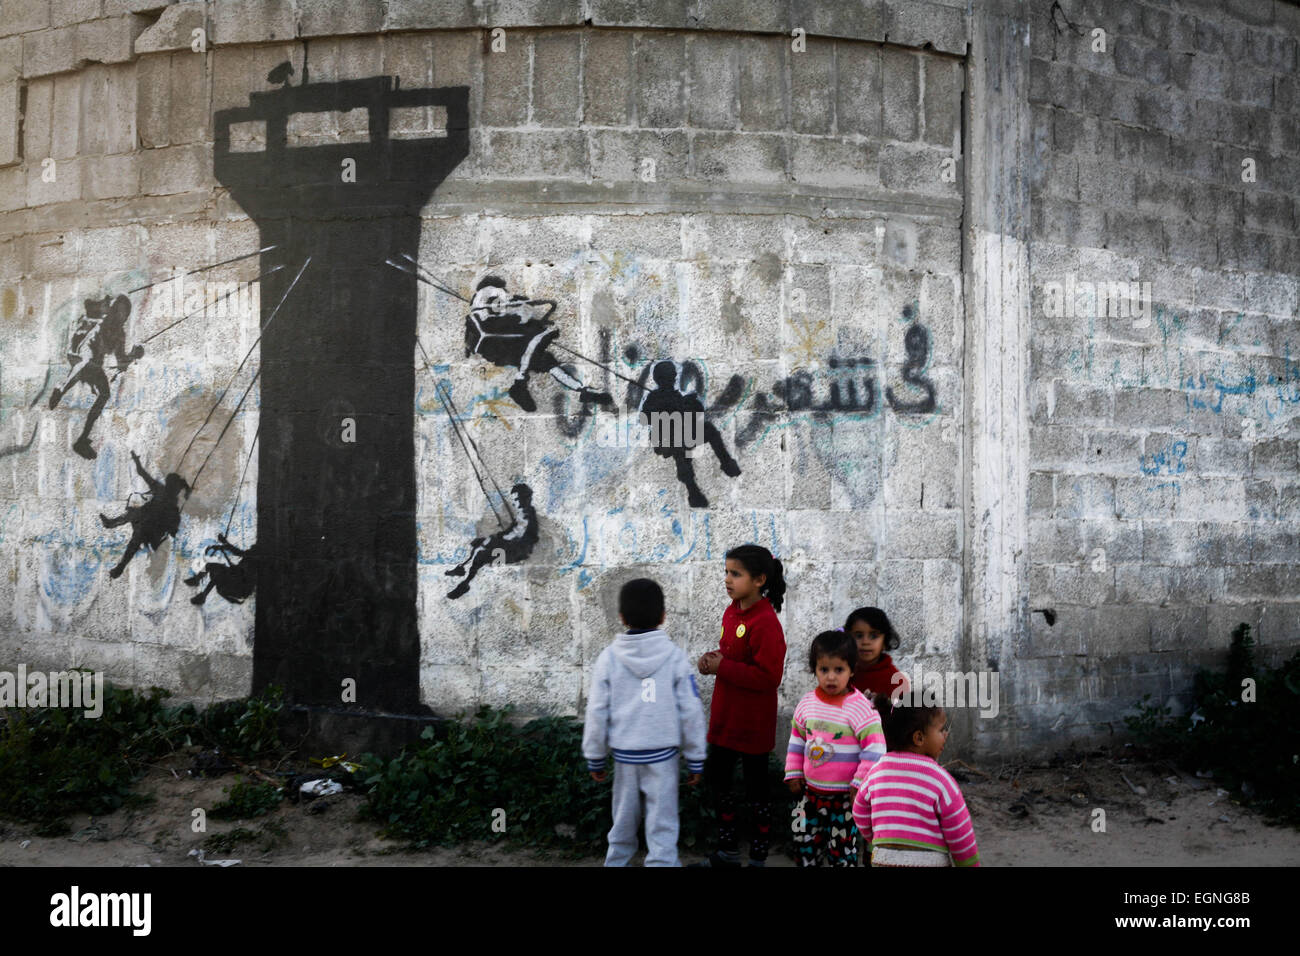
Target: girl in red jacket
(742,719)
(870,627)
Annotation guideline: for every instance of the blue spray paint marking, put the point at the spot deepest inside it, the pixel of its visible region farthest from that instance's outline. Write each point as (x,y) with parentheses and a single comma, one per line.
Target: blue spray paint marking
(71,577)
(1170,460)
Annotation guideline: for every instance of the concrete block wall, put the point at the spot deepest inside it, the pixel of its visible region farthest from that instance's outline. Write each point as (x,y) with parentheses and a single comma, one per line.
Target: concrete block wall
(1162,449)
(777,219)
(687,186)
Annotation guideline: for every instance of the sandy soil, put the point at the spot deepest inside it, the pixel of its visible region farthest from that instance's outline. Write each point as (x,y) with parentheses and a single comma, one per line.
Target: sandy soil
(1024,816)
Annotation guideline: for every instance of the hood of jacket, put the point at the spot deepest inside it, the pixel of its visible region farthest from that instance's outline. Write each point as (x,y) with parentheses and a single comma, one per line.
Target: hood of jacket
(643,653)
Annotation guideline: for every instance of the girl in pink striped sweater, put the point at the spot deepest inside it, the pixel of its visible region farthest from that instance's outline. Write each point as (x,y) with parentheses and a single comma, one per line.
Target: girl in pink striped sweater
(835,737)
(910,810)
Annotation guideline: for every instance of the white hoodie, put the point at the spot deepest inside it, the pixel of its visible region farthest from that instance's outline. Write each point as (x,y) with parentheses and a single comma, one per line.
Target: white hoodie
(643,704)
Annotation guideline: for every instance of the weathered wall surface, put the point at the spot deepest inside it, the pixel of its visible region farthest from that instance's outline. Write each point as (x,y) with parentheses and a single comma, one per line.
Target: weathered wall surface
(684,186)
(774,223)
(1163,497)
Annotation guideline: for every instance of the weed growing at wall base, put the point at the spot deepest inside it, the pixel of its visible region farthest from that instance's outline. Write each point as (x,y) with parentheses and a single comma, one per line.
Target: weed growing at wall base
(57,761)
(1242,728)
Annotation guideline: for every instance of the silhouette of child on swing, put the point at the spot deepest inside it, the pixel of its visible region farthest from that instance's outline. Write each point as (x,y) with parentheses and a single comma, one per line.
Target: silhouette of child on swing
(157,517)
(513,544)
(234,582)
(512,330)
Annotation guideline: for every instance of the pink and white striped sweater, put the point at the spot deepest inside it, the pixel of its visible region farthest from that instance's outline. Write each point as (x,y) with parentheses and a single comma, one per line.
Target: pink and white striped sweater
(908,800)
(833,741)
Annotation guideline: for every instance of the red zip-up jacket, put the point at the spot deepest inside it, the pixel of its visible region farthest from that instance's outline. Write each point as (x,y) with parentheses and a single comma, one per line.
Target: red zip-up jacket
(743,713)
(879,678)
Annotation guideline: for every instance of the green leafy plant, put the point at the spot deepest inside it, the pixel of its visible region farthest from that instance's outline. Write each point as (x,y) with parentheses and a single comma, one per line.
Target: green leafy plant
(56,761)
(247,800)
(1251,746)
(449,789)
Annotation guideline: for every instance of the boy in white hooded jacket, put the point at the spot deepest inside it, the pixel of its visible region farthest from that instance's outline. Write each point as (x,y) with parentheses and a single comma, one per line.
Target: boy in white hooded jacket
(645,707)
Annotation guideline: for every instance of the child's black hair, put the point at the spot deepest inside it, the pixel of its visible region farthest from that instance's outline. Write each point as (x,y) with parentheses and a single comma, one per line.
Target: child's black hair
(833,644)
(877,620)
(641,602)
(758,560)
(900,722)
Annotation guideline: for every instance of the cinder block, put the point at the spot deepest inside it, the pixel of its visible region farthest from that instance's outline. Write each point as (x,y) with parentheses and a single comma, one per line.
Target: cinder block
(49,51)
(10,100)
(1267,212)
(660,67)
(608,80)
(174,169)
(919,24)
(826,161)
(335,17)
(901,94)
(943,89)
(854,21)
(37,117)
(114,7)
(763,87)
(109,40)
(13,189)
(65,188)
(919,170)
(538,154)
(65,127)
(556,94)
(1252,87)
(252,21)
(715,82)
(109,177)
(859,89)
(153,99)
(757,15)
(64,12)
(639,13)
(505,84)
(23,16)
(618,156)
(108,109)
(740,157)
(189,118)
(1274,457)
(174,29)
(812,88)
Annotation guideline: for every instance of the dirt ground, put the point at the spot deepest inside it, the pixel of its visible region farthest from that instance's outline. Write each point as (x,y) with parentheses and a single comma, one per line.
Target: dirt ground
(1024,816)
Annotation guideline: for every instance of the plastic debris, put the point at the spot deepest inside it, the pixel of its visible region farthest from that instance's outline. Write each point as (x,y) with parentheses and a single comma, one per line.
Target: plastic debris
(199,854)
(321,788)
(25,844)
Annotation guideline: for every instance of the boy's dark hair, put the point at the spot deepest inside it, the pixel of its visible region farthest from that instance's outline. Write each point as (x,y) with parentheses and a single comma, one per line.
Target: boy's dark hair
(901,722)
(877,620)
(833,644)
(758,560)
(641,602)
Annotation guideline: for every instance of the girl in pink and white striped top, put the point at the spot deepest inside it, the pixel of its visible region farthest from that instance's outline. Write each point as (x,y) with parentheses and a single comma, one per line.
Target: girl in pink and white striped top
(909,809)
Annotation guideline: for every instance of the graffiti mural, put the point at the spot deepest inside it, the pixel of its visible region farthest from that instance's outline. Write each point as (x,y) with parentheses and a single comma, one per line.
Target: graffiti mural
(156,518)
(328,546)
(100,333)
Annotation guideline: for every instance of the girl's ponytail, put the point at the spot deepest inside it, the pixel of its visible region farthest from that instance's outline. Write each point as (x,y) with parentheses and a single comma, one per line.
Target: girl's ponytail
(758,560)
(775,589)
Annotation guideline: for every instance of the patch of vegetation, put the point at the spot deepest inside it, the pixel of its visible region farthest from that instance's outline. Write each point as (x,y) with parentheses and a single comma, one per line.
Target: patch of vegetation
(266,838)
(530,780)
(247,800)
(1242,729)
(55,761)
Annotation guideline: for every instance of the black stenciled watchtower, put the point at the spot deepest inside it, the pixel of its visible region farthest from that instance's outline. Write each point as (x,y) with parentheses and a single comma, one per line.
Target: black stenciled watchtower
(336,591)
